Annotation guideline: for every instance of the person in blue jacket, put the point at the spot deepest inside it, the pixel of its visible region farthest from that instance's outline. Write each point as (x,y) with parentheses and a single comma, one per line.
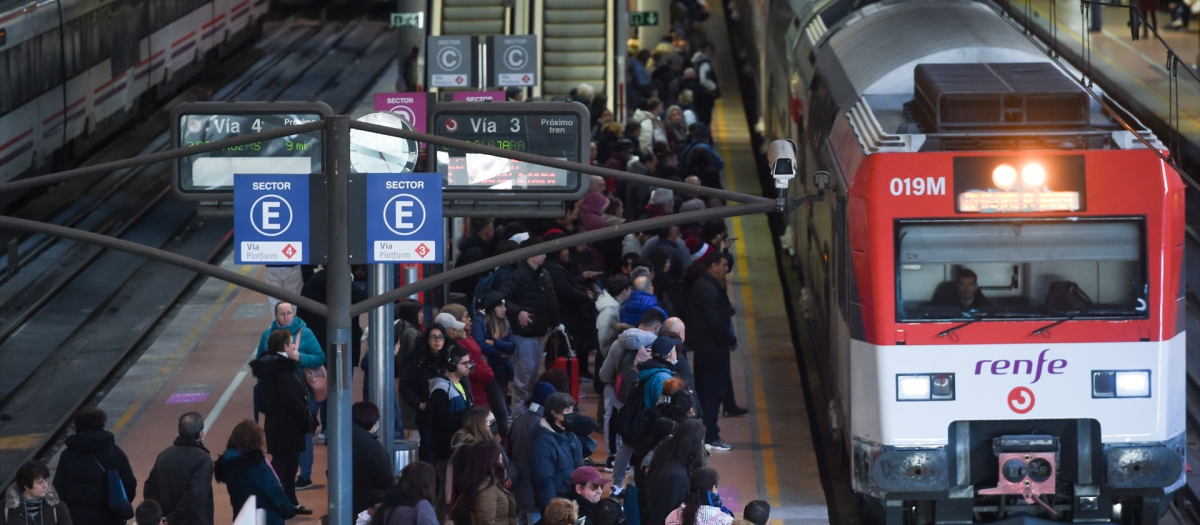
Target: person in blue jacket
(244,471)
(639,301)
(311,356)
(557,451)
(491,330)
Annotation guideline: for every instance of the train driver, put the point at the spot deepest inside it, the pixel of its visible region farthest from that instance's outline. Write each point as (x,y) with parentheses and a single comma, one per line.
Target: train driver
(965,293)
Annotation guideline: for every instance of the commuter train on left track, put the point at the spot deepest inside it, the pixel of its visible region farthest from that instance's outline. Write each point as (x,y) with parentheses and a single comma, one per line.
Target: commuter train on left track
(74,71)
(995,271)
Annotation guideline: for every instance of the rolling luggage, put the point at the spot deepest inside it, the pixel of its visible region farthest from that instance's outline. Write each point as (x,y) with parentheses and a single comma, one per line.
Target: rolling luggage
(564,358)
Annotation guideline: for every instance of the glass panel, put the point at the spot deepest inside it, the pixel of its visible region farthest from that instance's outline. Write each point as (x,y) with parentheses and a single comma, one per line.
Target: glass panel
(1021,269)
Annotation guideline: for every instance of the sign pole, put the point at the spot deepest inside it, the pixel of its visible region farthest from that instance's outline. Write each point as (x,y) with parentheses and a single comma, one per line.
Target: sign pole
(337,169)
(383,361)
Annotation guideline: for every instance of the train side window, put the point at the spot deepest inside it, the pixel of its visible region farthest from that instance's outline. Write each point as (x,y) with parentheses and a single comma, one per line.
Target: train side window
(1019,269)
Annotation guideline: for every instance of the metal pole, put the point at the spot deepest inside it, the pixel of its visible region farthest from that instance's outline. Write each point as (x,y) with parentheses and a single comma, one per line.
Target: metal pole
(341,476)
(383,361)
(410,276)
(14,259)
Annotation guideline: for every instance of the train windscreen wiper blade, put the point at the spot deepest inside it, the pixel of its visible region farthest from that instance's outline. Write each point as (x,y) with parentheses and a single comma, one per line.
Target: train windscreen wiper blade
(1052,325)
(951,330)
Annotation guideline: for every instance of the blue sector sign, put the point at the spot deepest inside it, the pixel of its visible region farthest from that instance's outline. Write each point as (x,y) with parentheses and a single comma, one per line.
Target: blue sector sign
(404,218)
(270,219)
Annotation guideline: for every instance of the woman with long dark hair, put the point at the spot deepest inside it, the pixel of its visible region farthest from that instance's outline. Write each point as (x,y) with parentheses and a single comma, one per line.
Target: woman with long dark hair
(244,470)
(481,486)
(420,366)
(492,332)
(669,478)
(703,503)
(410,500)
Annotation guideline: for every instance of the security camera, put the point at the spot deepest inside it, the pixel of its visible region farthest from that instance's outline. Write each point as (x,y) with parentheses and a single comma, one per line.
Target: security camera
(781,155)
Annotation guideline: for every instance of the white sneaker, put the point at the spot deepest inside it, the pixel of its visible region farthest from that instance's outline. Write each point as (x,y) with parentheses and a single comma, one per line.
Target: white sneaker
(616,491)
(718,444)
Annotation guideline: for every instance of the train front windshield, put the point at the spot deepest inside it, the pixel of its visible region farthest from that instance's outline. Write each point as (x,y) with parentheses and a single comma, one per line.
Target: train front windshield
(1021,269)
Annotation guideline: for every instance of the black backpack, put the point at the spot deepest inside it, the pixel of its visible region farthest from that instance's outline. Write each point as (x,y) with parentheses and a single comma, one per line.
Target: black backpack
(1067,297)
(635,419)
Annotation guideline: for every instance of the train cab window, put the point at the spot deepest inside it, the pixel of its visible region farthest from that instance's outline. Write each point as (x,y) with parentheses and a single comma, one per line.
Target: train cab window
(1086,268)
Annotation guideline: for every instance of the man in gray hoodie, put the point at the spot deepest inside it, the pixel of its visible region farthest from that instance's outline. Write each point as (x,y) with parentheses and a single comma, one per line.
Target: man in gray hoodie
(630,348)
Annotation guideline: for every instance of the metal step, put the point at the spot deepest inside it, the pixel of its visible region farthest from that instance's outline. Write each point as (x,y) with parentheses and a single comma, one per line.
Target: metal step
(573,44)
(573,72)
(471,3)
(573,30)
(472,27)
(574,4)
(572,58)
(473,13)
(575,16)
(552,88)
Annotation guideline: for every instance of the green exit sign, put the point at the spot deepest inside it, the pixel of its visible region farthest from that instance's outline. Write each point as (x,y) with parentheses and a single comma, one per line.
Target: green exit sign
(643,18)
(416,20)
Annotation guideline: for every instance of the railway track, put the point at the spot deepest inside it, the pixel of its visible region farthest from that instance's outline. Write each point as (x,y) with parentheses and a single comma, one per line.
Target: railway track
(75,315)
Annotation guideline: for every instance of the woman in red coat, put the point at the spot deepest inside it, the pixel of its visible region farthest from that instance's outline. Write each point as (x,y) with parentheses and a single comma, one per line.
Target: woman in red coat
(457,321)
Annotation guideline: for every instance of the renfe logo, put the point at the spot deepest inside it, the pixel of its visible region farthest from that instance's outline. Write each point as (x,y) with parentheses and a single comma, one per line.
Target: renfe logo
(1005,367)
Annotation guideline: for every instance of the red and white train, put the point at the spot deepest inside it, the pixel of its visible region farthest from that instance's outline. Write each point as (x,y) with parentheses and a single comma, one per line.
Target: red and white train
(72,71)
(995,271)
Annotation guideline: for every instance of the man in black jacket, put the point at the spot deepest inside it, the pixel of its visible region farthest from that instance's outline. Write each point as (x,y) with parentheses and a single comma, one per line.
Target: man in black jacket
(81,479)
(471,249)
(181,480)
(710,321)
(526,296)
(284,393)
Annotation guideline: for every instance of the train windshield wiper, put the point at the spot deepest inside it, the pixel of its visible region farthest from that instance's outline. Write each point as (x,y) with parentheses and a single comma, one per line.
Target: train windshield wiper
(974,319)
(1054,324)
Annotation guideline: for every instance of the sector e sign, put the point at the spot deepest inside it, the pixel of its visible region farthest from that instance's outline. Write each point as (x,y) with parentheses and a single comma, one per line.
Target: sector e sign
(553,129)
(271,219)
(404,218)
(209,176)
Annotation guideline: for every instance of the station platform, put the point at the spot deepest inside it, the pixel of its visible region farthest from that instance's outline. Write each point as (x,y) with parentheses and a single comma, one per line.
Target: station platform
(200,362)
(1128,69)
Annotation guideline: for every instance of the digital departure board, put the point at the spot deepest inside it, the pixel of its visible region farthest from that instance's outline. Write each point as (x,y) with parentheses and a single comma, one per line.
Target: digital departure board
(205,175)
(560,130)
(1019,184)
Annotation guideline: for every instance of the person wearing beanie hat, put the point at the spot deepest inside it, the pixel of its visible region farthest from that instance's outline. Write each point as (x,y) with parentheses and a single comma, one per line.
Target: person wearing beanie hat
(587,487)
(658,369)
(520,450)
(491,331)
(530,316)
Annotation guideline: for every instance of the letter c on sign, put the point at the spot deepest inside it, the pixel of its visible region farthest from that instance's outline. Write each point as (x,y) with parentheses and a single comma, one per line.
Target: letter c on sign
(1020,400)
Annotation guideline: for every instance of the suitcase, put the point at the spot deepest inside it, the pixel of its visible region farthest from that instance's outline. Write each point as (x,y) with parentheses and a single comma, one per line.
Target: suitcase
(565,360)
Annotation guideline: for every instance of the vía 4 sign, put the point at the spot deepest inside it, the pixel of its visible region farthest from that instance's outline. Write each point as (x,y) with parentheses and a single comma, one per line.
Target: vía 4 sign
(270,224)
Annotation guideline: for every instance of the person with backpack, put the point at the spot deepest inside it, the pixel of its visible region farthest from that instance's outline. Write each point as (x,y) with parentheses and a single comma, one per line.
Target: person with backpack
(706,97)
(410,315)
(474,248)
(619,374)
(82,478)
(642,408)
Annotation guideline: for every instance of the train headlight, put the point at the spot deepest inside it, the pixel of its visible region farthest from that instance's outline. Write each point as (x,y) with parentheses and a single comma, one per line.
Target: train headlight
(924,387)
(1004,176)
(1033,175)
(1120,383)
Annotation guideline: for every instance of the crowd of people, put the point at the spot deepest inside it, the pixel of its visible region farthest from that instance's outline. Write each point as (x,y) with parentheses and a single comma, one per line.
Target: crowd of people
(483,387)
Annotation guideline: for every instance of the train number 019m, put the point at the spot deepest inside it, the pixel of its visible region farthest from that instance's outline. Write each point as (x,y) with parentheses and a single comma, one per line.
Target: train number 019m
(918,186)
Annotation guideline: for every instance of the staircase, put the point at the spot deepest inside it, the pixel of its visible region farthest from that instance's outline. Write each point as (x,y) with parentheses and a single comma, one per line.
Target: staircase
(573,40)
(472,17)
